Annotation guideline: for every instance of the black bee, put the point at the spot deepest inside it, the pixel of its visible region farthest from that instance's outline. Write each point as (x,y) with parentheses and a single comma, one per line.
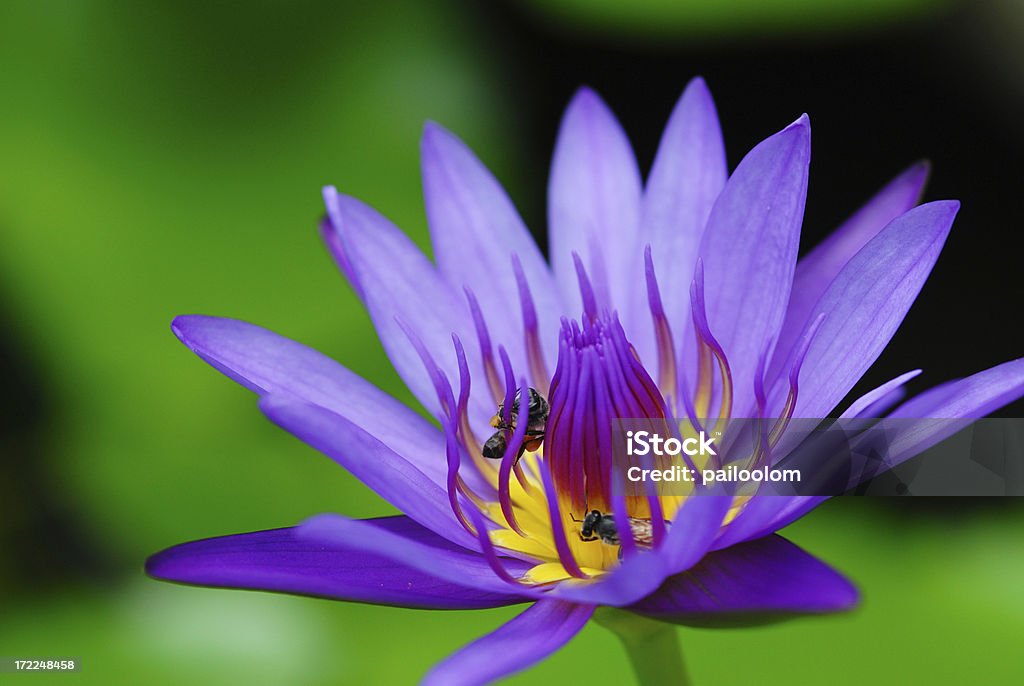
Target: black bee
(597,525)
(537,413)
(495,446)
(537,417)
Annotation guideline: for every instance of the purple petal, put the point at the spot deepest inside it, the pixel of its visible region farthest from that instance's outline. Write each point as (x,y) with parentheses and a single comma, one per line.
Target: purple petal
(372,462)
(630,581)
(751,583)
(332,239)
(973,397)
(688,174)
(265,363)
(627,583)
(694,528)
(451,564)
(875,402)
(594,206)
(633,579)
(816,270)
(277,560)
(765,514)
(529,638)
(401,285)
(866,303)
(475,230)
(966,399)
(749,251)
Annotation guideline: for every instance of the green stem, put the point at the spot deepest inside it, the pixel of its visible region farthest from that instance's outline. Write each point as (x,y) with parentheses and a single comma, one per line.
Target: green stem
(652,646)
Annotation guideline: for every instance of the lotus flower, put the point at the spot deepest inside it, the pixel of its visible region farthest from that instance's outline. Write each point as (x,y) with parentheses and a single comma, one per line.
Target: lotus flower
(681,294)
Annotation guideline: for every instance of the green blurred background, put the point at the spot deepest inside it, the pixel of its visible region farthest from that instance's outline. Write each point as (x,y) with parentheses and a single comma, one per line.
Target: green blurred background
(163,158)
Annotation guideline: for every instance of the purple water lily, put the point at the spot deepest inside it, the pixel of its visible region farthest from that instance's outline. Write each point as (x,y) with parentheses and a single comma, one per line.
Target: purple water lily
(679,296)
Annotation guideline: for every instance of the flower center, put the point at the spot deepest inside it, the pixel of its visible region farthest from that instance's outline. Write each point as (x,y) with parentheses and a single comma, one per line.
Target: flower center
(542,486)
(599,378)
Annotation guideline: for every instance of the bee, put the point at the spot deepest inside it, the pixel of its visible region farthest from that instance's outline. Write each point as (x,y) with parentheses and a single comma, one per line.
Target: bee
(536,417)
(598,525)
(495,446)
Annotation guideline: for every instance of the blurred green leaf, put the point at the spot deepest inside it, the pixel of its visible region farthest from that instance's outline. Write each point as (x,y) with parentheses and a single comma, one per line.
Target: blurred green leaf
(648,19)
(162,159)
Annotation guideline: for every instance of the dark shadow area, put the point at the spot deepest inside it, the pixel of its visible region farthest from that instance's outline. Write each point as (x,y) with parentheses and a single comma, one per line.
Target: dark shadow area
(878,101)
(43,540)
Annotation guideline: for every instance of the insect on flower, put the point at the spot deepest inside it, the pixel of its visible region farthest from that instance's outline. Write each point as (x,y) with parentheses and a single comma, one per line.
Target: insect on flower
(537,416)
(598,525)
